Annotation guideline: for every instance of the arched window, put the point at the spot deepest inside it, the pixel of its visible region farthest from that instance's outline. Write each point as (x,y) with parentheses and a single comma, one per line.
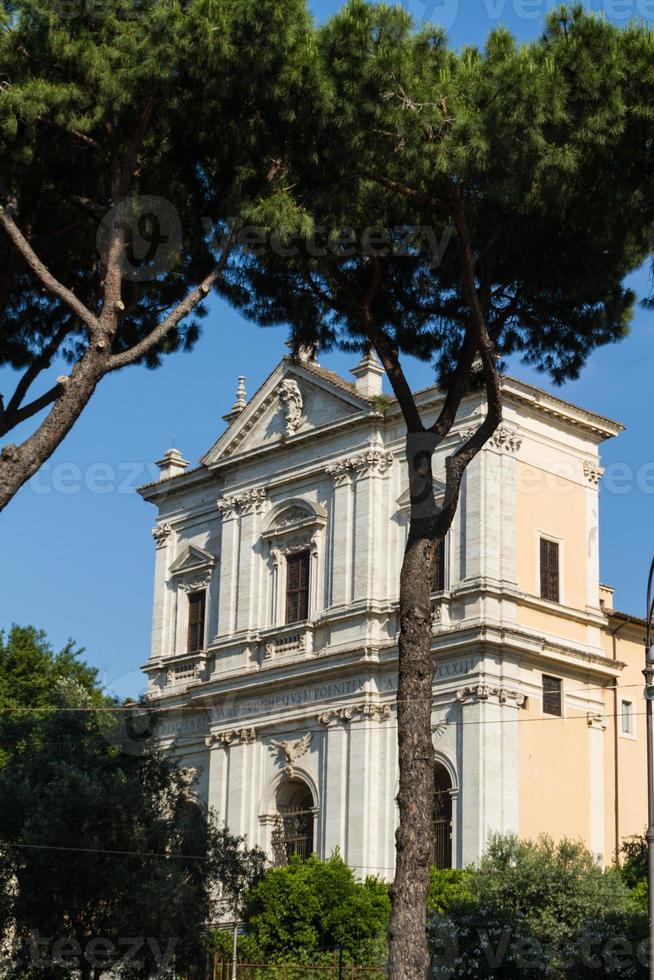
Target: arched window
(442,841)
(293,833)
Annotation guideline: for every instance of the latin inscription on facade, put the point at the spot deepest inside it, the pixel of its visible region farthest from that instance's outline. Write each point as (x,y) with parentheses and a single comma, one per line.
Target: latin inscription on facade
(289,699)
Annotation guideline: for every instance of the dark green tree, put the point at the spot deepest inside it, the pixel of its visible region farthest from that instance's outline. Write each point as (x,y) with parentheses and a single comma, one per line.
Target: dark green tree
(122,128)
(108,860)
(539,909)
(300,912)
(465,206)
(29,673)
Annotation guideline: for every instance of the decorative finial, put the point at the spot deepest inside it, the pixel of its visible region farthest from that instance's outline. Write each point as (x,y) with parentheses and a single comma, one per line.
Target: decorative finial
(368,374)
(241,394)
(240,403)
(171,464)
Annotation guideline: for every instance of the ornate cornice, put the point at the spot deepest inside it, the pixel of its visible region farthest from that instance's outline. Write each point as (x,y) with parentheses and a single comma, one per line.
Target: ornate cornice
(161,533)
(483,693)
(371,462)
(593,472)
(507,438)
(243,735)
(242,503)
(366,711)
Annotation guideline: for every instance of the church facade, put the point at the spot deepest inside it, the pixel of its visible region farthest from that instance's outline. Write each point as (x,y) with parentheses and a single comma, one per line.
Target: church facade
(273,666)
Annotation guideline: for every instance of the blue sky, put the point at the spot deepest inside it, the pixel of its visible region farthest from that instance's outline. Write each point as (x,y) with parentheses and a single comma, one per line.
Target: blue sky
(76,545)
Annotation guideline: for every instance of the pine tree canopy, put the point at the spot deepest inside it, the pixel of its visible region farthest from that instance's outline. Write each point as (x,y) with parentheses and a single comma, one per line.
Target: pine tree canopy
(199,91)
(535,157)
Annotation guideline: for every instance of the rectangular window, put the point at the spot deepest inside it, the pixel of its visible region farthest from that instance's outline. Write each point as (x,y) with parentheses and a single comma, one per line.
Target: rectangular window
(297,587)
(552,696)
(196,607)
(549,570)
(439,577)
(627,718)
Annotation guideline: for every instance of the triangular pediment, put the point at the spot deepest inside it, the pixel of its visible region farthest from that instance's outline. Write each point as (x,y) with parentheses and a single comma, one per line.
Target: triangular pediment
(191,559)
(294,400)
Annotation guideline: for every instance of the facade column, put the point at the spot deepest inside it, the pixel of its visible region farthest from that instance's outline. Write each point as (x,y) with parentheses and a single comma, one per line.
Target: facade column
(245,564)
(229,510)
(359,798)
(334,789)
(162,630)
(597,803)
(218,776)
(488,764)
(372,467)
(341,536)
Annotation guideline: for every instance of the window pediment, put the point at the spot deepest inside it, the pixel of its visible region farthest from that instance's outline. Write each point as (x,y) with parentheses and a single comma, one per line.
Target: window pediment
(293,517)
(191,560)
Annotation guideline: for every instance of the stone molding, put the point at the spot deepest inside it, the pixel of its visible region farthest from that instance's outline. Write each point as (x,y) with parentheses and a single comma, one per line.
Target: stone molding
(185,673)
(373,462)
(505,437)
(593,472)
(244,735)
(242,503)
(194,584)
(483,692)
(596,720)
(289,642)
(289,752)
(366,711)
(161,533)
(290,397)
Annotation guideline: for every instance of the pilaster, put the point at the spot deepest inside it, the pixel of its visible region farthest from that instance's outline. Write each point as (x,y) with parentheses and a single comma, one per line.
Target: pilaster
(597,803)
(163,626)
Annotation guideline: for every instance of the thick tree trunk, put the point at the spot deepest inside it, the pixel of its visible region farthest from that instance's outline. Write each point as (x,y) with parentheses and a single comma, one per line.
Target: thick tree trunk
(19,463)
(408,957)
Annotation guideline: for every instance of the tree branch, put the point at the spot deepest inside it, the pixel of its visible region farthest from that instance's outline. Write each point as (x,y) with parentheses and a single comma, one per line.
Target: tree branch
(39,364)
(456,464)
(22,414)
(388,355)
(409,192)
(187,306)
(33,262)
(457,387)
(82,137)
(86,204)
(385,349)
(135,148)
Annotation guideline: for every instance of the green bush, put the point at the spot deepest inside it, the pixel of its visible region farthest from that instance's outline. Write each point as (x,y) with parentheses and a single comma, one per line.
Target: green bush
(536,909)
(447,887)
(308,911)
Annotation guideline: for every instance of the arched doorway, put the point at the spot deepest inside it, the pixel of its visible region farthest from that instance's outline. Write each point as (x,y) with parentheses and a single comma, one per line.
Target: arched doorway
(293,832)
(442,839)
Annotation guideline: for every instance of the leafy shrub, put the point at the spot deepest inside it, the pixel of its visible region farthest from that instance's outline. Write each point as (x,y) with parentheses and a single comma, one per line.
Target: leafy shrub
(536,909)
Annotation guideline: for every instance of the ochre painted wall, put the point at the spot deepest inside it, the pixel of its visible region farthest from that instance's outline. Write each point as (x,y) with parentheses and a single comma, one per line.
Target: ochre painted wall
(553,772)
(631,751)
(556,507)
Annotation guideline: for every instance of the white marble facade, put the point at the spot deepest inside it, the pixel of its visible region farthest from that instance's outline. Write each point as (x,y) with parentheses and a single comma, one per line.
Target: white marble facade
(292,725)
